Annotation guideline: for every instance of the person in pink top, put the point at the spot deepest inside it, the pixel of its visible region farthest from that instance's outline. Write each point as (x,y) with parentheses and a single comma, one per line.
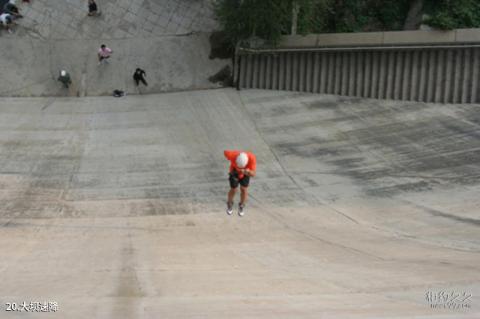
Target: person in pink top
(104,53)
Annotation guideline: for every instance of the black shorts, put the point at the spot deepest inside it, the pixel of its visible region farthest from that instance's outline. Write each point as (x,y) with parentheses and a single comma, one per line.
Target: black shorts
(234,180)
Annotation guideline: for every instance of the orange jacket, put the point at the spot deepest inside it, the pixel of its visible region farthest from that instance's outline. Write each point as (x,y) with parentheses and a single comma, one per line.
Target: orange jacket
(231,155)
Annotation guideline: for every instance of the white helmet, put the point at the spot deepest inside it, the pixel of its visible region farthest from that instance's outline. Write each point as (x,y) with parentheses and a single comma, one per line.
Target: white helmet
(242,160)
(63,73)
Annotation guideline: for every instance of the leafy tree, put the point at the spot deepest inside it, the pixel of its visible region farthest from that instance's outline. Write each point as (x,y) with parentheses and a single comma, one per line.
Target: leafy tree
(270,19)
(452,14)
(414,16)
(313,16)
(267,19)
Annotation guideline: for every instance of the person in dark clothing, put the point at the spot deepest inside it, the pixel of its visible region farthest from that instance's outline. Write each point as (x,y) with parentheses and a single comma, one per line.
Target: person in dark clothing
(12,9)
(92,8)
(64,77)
(119,93)
(138,76)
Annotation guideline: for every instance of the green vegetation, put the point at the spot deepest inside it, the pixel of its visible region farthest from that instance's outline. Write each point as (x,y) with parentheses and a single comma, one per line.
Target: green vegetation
(452,14)
(269,19)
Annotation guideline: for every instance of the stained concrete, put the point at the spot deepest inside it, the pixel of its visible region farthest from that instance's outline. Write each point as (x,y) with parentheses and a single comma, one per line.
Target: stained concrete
(119,19)
(114,208)
(169,39)
(172,63)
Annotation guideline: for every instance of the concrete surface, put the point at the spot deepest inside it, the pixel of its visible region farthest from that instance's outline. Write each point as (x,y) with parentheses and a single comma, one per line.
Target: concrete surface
(467,35)
(67,19)
(167,38)
(114,208)
(172,63)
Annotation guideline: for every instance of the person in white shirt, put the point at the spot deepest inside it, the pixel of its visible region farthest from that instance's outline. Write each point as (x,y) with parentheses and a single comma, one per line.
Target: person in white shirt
(6,20)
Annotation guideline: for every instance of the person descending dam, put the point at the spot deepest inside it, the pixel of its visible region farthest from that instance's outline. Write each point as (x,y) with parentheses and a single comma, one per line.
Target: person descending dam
(139,76)
(6,20)
(243,165)
(12,9)
(93,8)
(64,77)
(104,54)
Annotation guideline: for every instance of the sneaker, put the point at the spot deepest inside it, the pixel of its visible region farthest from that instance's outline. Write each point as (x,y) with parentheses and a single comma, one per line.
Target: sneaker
(240,210)
(229,208)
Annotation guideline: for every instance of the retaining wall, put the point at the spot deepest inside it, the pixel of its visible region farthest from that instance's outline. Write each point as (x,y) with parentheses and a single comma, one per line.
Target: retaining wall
(428,66)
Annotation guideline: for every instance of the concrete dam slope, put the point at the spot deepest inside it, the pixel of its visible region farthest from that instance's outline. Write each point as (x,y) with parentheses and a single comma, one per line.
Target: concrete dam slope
(114,208)
(167,38)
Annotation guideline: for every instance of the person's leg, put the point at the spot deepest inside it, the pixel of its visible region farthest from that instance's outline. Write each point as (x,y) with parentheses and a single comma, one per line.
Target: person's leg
(15,12)
(244,182)
(136,80)
(103,59)
(233,179)
(243,195)
(243,199)
(231,195)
